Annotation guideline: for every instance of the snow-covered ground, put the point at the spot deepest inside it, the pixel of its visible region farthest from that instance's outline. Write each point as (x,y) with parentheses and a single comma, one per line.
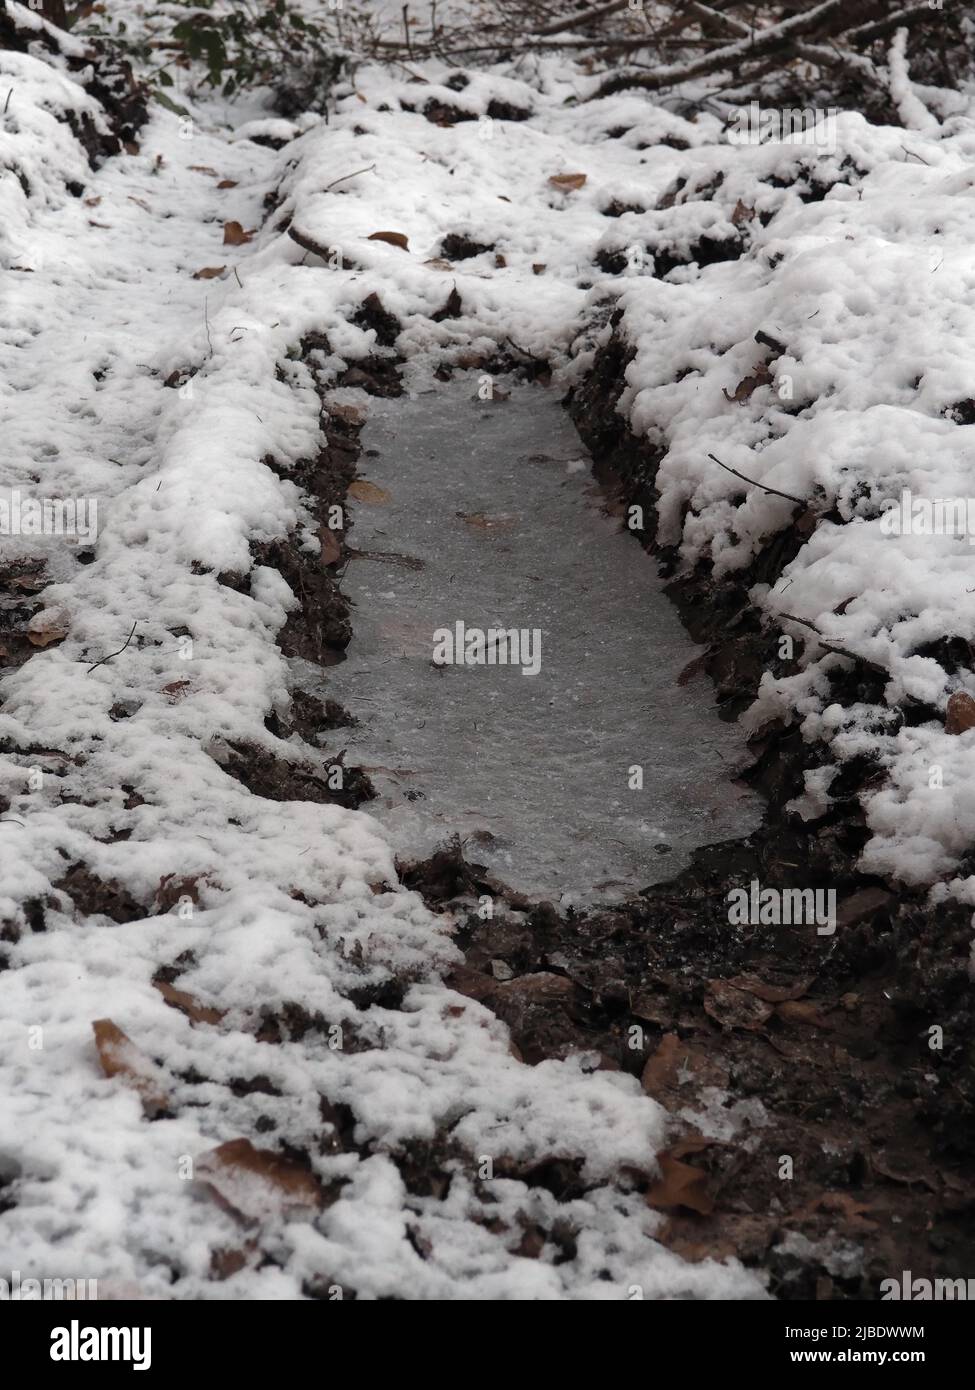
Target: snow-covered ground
(264,909)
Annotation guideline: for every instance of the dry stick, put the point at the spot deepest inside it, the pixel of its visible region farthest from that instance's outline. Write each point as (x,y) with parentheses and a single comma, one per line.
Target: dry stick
(308,243)
(832,648)
(754,481)
(353,175)
(118,653)
(828,16)
(573,21)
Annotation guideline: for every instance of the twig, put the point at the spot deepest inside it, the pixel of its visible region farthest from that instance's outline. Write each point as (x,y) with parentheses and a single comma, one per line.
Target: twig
(832,648)
(754,481)
(118,653)
(206,322)
(7,102)
(308,243)
(331,185)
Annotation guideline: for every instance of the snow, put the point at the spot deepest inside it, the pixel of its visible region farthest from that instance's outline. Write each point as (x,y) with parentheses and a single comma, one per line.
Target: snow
(869,289)
(104,310)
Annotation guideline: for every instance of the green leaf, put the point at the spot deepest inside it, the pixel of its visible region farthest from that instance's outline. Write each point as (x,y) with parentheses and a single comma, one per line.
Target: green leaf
(169,104)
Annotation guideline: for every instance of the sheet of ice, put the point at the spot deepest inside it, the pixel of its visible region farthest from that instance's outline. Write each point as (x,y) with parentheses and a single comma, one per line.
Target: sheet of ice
(493,520)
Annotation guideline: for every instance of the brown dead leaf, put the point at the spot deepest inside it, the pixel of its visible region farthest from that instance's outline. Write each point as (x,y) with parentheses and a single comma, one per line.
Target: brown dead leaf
(331,547)
(176,690)
(204,169)
(675,1066)
(771,994)
(801,1011)
(121,1058)
(209,272)
(234,234)
(566,183)
(391,239)
(841,1204)
(46,628)
(680,1185)
(364,491)
(227,183)
(140,201)
(735,1008)
(742,213)
(253,1184)
(224,1263)
(348,414)
(749,384)
(192,1008)
(693,668)
(92,202)
(538,268)
(960,714)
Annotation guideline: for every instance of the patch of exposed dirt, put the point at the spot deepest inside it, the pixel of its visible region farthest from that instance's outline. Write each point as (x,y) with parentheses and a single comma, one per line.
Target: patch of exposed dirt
(279,779)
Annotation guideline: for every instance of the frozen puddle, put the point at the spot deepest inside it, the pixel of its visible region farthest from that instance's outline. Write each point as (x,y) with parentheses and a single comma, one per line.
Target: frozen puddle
(492,520)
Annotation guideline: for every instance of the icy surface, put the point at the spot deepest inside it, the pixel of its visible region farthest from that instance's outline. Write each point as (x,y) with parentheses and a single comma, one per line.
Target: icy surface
(493,520)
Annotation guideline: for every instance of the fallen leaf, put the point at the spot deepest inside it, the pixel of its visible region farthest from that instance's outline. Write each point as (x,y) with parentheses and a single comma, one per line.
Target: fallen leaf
(227,183)
(537,269)
(130,147)
(92,202)
(225,1263)
(203,169)
(392,239)
(176,690)
(693,668)
(960,714)
(675,1066)
(680,1185)
(451,309)
(47,627)
(750,384)
(121,1058)
(364,491)
(348,414)
(254,1184)
(771,994)
(209,272)
(331,548)
(801,1011)
(192,1008)
(735,1008)
(742,213)
(565,183)
(234,234)
(141,202)
(838,1204)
